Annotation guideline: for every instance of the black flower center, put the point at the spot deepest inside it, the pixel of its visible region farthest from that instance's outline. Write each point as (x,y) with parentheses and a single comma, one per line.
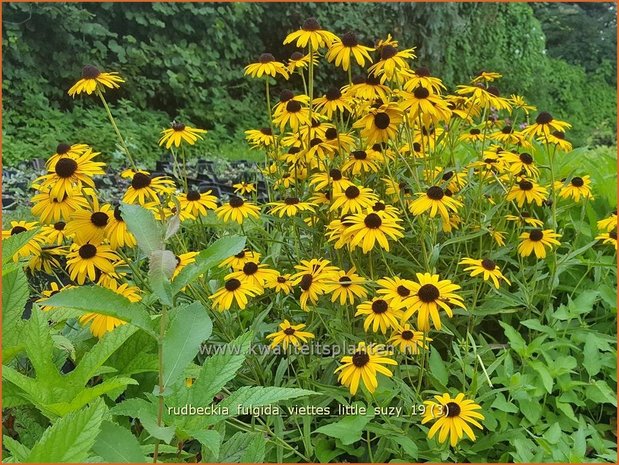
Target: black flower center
(613,235)
(379,306)
(17,230)
(315,141)
(525,185)
(178,127)
(59,226)
(474,132)
(140,181)
(544,118)
(349,40)
(577,181)
(311,24)
(291,201)
(422,71)
(336,175)
(507,130)
(559,135)
(99,219)
(62,149)
(193,196)
(435,193)
(379,207)
(407,335)
(403,291)
(416,146)
(382,120)
(289,331)
(250,268)
(352,192)
(236,202)
(526,158)
(488,264)
(266,58)
(536,235)
(421,92)
(293,106)
(359,79)
(333,93)
(448,175)
(117,213)
(90,72)
(494,91)
(286,95)
(428,293)
(241,254)
(360,359)
(360,154)
(281,279)
(453,409)
(66,167)
(345,281)
(331,133)
(87,251)
(373,221)
(232,285)
(296,56)
(266,131)
(388,51)
(306,281)
(372,80)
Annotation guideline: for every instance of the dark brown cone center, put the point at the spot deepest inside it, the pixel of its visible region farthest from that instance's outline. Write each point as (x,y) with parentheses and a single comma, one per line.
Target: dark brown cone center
(428,293)
(87,251)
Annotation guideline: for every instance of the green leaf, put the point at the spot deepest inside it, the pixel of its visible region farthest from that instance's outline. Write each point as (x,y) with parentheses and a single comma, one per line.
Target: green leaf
(437,367)
(18,451)
(516,341)
(592,359)
(15,293)
(408,446)
(233,449)
(530,409)
(164,433)
(189,327)
(39,347)
(97,299)
(12,244)
(210,439)
(553,434)
(160,269)
(116,444)
(217,252)
(143,225)
(500,403)
(601,393)
(349,429)
(256,449)
(71,437)
(544,374)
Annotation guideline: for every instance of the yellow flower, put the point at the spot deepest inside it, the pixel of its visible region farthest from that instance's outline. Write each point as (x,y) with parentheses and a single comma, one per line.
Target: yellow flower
(354,199)
(312,277)
(391,61)
(32,247)
(117,232)
(367,229)
(101,324)
(86,260)
(608,224)
(397,291)
(279,283)
(485,266)
(290,207)
(380,124)
(379,315)
(197,204)
(238,261)
(311,34)
(363,366)
(49,209)
(609,237)
(408,340)
(244,187)
(237,210)
(259,138)
(527,191)
(544,125)
(435,201)
(333,101)
(179,133)
(452,416)
(93,79)
(89,226)
(234,290)
(578,188)
(182,261)
(266,66)
(144,188)
(536,241)
(289,334)
(256,274)
(299,61)
(346,287)
(342,49)
(66,150)
(525,219)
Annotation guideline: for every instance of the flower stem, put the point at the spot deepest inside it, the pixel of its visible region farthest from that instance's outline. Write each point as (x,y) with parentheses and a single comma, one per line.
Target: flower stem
(120,137)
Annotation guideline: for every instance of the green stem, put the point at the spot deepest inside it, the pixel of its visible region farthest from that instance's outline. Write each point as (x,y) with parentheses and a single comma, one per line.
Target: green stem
(120,137)
(162,328)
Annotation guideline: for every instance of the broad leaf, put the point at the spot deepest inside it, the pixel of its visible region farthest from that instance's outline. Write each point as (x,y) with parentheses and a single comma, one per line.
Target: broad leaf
(161,266)
(143,225)
(348,429)
(116,444)
(15,294)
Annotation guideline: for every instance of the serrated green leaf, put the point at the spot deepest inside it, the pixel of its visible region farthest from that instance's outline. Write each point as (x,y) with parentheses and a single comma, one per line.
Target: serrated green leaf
(256,448)
(601,393)
(39,347)
(210,439)
(116,444)
(190,326)
(15,293)
(161,265)
(19,452)
(97,299)
(71,437)
(217,252)
(142,224)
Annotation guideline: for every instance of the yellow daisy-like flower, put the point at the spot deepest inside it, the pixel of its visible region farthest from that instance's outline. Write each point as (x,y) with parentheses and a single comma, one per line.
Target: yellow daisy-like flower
(196,204)
(346,47)
(32,247)
(527,191)
(557,138)
(238,261)
(50,209)
(47,259)
(260,138)
(89,226)
(93,80)
(474,135)
(312,277)
(536,241)
(117,233)
(280,283)
(267,66)
(354,199)
(178,133)
(397,291)
(292,112)
(256,274)
(379,315)
(361,161)
(380,124)
(66,150)
(408,340)
(520,164)
(54,234)
(609,237)
(347,286)
(68,174)
(290,207)
(421,77)
(487,267)
(422,102)
(363,367)
(84,261)
(244,187)
(525,219)
(452,416)
(332,102)
(182,261)
(391,61)
(435,201)
(367,229)
(518,102)
(334,180)
(485,96)
(608,224)
(144,188)
(430,295)
(234,290)
(299,61)
(289,335)
(102,324)
(237,210)
(367,88)
(544,125)
(578,188)
(311,34)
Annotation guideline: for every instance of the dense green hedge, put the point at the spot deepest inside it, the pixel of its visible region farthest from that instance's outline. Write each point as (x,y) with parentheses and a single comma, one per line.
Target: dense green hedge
(186,60)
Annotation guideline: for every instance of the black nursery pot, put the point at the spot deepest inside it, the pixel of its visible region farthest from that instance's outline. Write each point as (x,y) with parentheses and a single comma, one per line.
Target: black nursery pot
(8,203)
